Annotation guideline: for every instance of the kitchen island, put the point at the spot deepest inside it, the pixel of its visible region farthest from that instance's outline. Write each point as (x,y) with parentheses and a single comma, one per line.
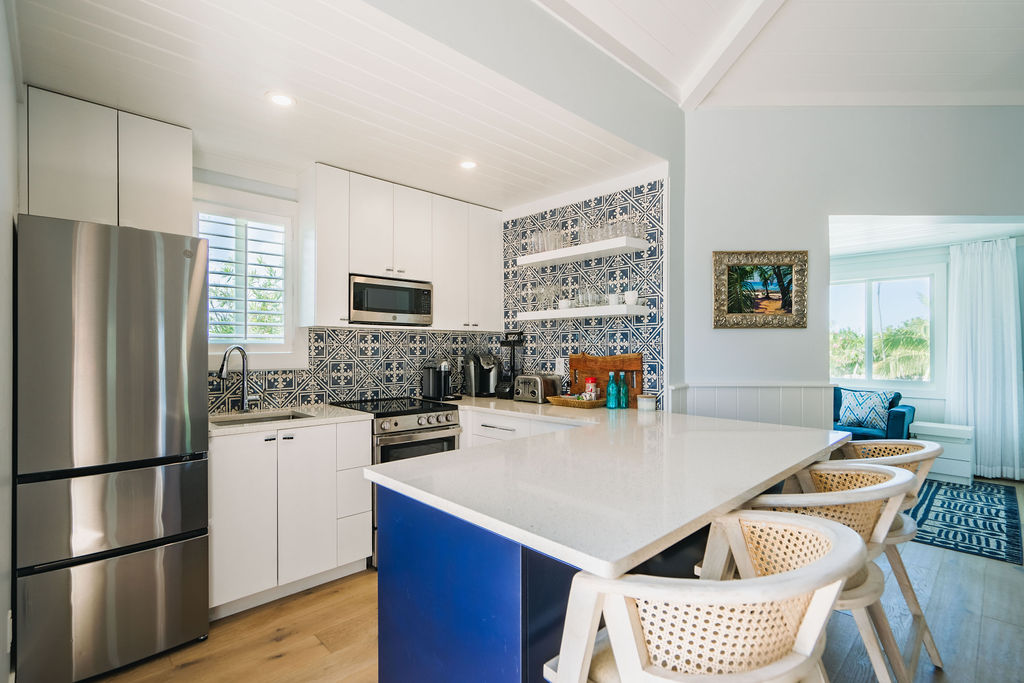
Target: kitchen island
(477,547)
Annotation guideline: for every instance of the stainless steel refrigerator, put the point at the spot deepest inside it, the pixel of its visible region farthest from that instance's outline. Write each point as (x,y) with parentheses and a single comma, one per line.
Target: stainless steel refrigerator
(111,441)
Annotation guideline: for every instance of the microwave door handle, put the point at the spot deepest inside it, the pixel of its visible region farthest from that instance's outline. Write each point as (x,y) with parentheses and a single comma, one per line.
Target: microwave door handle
(420,436)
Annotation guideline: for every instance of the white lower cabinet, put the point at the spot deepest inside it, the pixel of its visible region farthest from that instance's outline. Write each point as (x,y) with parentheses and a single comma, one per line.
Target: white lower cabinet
(243,515)
(355,538)
(306,499)
(286,505)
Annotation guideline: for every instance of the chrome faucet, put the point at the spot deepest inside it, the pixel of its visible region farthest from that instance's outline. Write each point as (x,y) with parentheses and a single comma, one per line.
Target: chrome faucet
(247,400)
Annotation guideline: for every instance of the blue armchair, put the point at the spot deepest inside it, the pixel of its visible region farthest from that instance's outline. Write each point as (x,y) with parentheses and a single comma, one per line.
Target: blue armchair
(898,426)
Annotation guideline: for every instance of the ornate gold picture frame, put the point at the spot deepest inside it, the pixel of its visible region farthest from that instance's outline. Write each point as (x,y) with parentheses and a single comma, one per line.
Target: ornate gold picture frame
(760,288)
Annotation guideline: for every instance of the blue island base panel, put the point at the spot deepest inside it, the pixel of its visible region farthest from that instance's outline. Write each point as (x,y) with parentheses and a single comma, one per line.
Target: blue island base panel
(458,603)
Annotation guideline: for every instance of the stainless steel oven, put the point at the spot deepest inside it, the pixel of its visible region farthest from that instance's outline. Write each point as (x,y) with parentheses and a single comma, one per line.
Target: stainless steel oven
(391,447)
(390,301)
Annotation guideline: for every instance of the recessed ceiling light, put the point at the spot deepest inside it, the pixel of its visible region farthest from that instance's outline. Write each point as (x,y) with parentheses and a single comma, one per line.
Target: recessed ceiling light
(280,99)
(468,165)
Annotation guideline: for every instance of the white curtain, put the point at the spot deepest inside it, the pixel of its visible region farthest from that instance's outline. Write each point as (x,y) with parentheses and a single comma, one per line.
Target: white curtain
(984,353)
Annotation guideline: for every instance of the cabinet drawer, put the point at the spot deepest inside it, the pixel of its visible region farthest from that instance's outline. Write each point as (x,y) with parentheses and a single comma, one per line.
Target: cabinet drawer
(499,426)
(354,492)
(355,449)
(955,468)
(355,538)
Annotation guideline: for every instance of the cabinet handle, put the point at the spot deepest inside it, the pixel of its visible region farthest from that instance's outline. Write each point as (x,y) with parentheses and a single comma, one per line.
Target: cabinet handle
(465,324)
(401,270)
(389,269)
(288,437)
(504,429)
(270,438)
(476,324)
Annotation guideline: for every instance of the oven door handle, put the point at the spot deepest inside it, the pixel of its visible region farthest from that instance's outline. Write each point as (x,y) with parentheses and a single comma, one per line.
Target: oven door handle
(426,435)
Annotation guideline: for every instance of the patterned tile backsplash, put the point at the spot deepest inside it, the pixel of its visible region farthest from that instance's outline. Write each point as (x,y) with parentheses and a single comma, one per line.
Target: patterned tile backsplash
(349,363)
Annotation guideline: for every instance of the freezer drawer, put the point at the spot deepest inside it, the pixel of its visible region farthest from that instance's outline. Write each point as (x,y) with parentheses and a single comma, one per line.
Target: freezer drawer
(82,621)
(66,518)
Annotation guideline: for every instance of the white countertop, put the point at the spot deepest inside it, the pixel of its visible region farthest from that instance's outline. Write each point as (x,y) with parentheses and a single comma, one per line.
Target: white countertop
(612,493)
(319,415)
(542,411)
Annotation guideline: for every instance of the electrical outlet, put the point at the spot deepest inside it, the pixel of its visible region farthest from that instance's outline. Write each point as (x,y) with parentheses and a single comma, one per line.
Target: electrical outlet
(559,366)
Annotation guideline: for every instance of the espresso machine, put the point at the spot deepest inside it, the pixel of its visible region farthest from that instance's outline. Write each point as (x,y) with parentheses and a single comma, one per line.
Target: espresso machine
(480,374)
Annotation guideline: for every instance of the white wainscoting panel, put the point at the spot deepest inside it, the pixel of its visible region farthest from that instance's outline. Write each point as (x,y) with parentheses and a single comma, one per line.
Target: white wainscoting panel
(801,405)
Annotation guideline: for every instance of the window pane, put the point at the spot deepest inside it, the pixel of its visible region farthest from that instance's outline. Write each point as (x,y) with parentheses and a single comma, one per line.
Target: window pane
(246,279)
(846,330)
(901,343)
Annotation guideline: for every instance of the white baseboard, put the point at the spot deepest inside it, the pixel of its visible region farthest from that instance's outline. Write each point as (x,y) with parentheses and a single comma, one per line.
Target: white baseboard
(278,592)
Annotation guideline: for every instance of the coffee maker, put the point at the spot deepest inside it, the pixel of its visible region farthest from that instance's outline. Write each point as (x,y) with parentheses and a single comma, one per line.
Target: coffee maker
(480,374)
(436,381)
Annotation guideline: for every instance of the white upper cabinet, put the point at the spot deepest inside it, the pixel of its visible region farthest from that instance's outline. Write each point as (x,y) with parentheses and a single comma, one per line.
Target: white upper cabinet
(92,163)
(323,246)
(154,175)
(450,256)
(371,226)
(72,158)
(412,240)
(486,270)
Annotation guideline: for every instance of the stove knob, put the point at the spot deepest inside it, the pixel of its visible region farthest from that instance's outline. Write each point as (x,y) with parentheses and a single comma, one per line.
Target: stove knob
(430,419)
(385,425)
(421,420)
(519,392)
(448,417)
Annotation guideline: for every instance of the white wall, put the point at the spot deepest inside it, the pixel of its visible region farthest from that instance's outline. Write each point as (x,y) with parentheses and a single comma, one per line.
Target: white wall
(769,179)
(8,209)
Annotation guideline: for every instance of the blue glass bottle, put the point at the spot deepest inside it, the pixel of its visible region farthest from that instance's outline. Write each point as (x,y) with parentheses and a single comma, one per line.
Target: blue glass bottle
(612,392)
(623,390)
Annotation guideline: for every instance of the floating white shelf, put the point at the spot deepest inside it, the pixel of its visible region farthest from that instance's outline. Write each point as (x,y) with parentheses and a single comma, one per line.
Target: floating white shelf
(584,312)
(581,252)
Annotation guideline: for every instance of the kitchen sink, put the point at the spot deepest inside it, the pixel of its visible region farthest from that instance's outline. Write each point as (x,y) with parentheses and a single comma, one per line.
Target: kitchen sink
(258,417)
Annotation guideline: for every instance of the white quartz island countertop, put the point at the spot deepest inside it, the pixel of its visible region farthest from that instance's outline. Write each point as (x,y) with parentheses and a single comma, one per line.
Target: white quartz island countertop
(613,492)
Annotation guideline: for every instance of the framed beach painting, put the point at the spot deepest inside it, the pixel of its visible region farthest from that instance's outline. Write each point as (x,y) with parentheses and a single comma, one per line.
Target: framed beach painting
(760,288)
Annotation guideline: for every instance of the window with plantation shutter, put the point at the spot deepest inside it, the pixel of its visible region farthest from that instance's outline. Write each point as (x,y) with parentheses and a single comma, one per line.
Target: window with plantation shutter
(247,285)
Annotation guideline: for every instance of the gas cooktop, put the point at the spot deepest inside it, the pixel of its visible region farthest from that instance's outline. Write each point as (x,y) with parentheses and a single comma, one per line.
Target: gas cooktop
(396,406)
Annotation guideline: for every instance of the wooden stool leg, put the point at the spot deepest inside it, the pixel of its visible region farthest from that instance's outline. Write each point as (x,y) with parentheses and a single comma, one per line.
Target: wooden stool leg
(899,570)
(888,640)
(871,644)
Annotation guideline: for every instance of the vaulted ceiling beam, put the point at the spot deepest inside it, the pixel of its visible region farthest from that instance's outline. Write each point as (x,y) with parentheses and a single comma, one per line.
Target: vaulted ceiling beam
(735,38)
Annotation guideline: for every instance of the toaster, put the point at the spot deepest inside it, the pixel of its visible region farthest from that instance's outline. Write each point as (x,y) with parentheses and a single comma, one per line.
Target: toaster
(536,388)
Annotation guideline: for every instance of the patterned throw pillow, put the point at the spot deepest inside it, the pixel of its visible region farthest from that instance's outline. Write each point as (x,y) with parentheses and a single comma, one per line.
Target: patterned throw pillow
(865,409)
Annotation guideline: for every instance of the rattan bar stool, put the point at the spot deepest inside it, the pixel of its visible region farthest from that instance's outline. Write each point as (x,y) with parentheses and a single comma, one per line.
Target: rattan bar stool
(866,498)
(766,626)
(918,457)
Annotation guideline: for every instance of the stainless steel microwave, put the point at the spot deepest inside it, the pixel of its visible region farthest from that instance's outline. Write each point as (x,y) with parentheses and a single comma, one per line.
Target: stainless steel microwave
(389,301)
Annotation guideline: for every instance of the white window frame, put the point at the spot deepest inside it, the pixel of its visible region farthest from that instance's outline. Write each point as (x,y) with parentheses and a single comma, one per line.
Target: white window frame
(294,352)
(867,273)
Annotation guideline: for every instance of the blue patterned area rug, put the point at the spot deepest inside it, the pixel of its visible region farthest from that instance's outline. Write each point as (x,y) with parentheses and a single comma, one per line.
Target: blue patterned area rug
(982,519)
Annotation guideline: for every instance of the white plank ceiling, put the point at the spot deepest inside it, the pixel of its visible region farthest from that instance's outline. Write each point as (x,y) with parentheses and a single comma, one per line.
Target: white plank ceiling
(850,235)
(813,52)
(373,95)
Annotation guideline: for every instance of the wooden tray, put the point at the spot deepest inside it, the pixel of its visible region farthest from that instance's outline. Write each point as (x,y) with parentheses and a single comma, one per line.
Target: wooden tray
(583,365)
(573,403)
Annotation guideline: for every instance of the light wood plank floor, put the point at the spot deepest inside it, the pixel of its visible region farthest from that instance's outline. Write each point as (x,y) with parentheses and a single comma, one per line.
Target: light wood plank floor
(975,608)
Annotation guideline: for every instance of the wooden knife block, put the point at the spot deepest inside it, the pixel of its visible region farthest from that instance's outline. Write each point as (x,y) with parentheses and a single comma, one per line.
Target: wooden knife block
(583,365)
